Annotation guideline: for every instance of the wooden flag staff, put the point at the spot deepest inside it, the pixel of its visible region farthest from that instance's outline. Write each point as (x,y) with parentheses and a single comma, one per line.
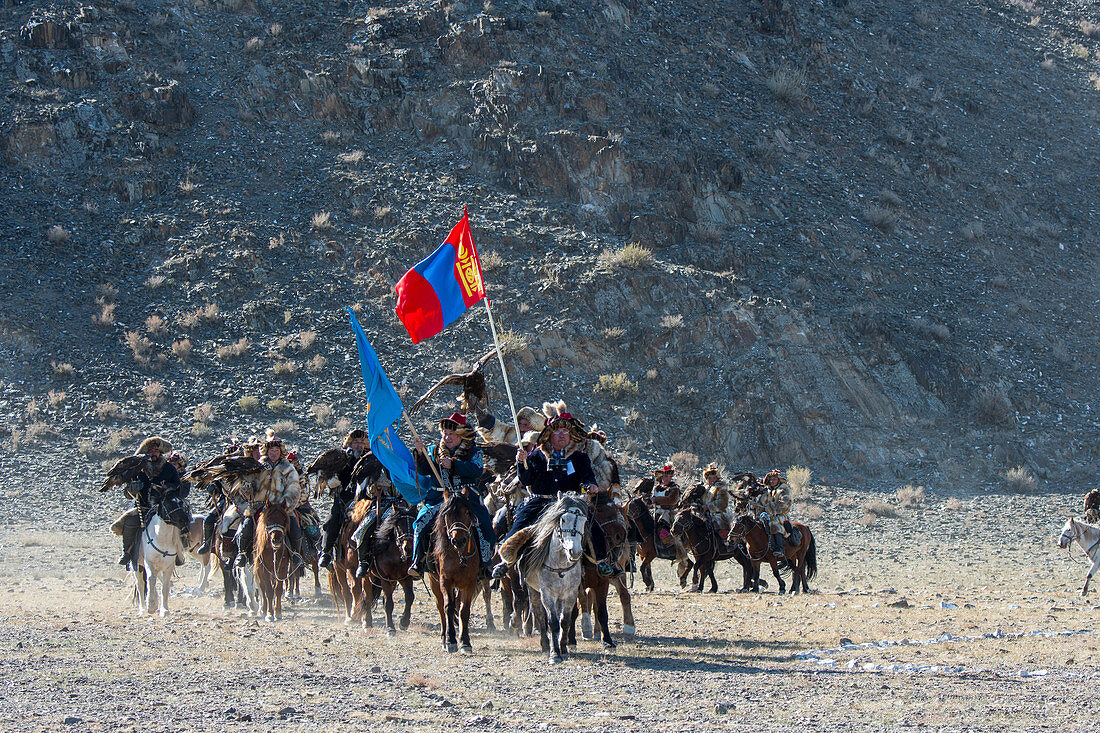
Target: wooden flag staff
(504,373)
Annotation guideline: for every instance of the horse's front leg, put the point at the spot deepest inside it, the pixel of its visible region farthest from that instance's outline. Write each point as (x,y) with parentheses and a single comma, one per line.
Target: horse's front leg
(487,595)
(624,601)
(406,615)
(165,588)
(387,589)
(368,603)
(150,590)
(450,638)
(466,603)
(553,621)
(440,606)
(1092,571)
(602,618)
(778,577)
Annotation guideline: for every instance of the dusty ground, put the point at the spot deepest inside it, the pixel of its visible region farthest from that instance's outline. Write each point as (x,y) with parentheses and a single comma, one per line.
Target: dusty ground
(77,657)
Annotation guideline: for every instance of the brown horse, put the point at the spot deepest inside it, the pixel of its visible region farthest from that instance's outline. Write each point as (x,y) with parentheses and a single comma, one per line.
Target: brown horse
(272,559)
(694,530)
(454,579)
(594,587)
(802,558)
(390,562)
(345,587)
(646,527)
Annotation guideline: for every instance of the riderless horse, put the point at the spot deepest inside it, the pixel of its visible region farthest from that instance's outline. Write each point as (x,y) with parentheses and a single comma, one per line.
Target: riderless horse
(700,538)
(1088,537)
(390,561)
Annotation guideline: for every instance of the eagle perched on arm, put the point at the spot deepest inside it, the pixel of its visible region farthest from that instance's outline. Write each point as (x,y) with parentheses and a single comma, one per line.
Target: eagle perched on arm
(125,471)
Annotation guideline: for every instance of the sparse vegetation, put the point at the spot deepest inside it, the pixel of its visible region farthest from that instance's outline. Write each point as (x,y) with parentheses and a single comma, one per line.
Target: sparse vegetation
(248,404)
(616,384)
(105,411)
(284,427)
(879,508)
(867,520)
(234,350)
(631,257)
(57,234)
(207,313)
(788,85)
(342,426)
(993,407)
(39,432)
(62,369)
(317,363)
(153,282)
(285,368)
(154,324)
(182,350)
(953,504)
(321,221)
(141,348)
(807,511)
(910,495)
(277,405)
(672,321)
(1020,480)
(322,413)
(420,681)
(798,478)
(306,339)
(154,394)
(881,218)
(56,398)
(203,412)
(106,314)
(684,461)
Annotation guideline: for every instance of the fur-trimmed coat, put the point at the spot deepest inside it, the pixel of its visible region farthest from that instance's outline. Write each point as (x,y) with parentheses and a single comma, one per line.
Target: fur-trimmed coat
(572,472)
(278,484)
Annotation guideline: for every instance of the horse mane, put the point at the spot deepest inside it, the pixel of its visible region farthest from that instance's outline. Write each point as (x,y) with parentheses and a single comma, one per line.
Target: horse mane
(543,532)
(639,514)
(388,526)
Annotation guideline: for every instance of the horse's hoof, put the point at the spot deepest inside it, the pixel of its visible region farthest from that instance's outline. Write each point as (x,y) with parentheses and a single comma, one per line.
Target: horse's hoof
(586,626)
(555,660)
(628,630)
(390,631)
(404,625)
(452,648)
(490,626)
(467,648)
(609,645)
(164,612)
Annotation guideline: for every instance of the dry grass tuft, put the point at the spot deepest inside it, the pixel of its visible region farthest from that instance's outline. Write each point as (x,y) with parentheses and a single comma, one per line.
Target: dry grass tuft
(285,368)
(867,520)
(153,392)
(153,282)
(321,221)
(201,430)
(62,369)
(284,427)
(105,411)
(39,432)
(57,234)
(684,461)
(1020,480)
(631,257)
(953,504)
(993,407)
(322,413)
(277,405)
(788,85)
(881,218)
(154,324)
(798,478)
(56,398)
(808,511)
(1090,28)
(141,347)
(342,426)
(672,321)
(616,384)
(910,495)
(234,350)
(203,412)
(420,681)
(355,157)
(317,363)
(106,315)
(306,339)
(248,403)
(879,508)
(182,350)
(207,313)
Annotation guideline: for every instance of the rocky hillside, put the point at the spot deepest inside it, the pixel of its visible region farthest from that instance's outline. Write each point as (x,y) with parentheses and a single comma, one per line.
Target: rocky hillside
(858,236)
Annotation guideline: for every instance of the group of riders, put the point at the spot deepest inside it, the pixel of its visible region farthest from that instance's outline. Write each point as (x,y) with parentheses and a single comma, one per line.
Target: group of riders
(557,455)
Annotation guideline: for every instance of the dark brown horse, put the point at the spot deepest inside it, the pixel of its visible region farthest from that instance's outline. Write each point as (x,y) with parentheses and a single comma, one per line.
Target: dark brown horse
(594,587)
(802,558)
(517,607)
(272,559)
(692,527)
(346,588)
(454,580)
(390,562)
(646,527)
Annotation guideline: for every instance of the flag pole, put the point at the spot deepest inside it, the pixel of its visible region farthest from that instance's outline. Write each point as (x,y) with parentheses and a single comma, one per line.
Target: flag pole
(431,461)
(504,373)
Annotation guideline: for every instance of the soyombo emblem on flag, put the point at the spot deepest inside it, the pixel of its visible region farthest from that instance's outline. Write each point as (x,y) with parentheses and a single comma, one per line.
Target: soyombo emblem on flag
(440,288)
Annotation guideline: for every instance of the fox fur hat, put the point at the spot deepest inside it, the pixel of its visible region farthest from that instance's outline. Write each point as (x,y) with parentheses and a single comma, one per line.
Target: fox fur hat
(356,434)
(155,443)
(557,416)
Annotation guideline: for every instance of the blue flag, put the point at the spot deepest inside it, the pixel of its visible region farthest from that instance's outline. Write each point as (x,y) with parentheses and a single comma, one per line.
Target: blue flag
(383,410)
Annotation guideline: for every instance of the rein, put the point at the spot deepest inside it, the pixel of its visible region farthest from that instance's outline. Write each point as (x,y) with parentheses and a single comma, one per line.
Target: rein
(561,533)
(748,551)
(153,544)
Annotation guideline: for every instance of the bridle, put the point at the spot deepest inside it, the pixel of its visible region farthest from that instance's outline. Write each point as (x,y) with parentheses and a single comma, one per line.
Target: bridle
(465,532)
(694,520)
(751,524)
(576,520)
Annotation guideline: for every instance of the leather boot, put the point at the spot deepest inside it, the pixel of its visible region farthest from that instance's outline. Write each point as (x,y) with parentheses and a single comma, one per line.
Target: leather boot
(777,544)
(129,542)
(364,551)
(208,524)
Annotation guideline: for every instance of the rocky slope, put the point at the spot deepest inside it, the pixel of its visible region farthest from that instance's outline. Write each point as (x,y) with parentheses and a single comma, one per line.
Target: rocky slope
(870,226)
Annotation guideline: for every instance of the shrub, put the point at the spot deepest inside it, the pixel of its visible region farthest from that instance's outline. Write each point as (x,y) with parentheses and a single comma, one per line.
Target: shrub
(910,495)
(788,85)
(56,398)
(277,405)
(234,350)
(182,349)
(317,363)
(321,221)
(141,347)
(116,439)
(106,315)
(154,394)
(355,157)
(631,257)
(201,430)
(953,504)
(342,426)
(57,234)
(798,477)
(154,324)
(284,427)
(203,412)
(248,403)
(867,520)
(672,321)
(105,411)
(322,413)
(992,407)
(616,384)
(285,368)
(32,409)
(39,432)
(684,461)
(879,508)
(306,340)
(62,369)
(207,313)
(881,218)
(1090,28)
(808,511)
(154,281)
(1019,479)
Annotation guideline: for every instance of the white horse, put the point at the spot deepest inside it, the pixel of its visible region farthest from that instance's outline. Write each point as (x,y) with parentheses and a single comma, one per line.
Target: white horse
(158,547)
(553,568)
(1088,537)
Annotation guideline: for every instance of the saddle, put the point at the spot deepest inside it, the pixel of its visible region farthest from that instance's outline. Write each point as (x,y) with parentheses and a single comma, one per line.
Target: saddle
(664,542)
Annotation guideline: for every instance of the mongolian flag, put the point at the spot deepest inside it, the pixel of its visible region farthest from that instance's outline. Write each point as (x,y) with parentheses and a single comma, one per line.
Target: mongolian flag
(383,410)
(439,289)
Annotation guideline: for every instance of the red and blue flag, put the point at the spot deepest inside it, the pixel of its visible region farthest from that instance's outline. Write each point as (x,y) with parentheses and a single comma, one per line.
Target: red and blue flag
(439,289)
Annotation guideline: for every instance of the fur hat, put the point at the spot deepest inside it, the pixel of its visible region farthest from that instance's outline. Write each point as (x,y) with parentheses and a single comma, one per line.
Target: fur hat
(157,443)
(534,418)
(557,417)
(271,440)
(353,435)
(456,421)
(667,468)
(774,474)
(178,461)
(712,470)
(530,439)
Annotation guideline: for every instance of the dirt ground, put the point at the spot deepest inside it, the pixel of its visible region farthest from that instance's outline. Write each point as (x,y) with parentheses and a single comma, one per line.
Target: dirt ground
(946,616)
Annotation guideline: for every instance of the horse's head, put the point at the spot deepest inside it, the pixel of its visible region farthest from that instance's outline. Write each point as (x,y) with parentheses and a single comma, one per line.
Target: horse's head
(275,521)
(570,532)
(403,534)
(457,520)
(682,522)
(608,516)
(1069,533)
(743,524)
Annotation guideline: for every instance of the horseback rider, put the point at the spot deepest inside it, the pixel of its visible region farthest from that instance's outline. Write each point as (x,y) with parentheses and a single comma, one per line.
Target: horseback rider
(381,495)
(718,497)
(557,465)
(278,483)
(343,495)
(217,503)
(460,466)
(776,508)
(1092,506)
(158,475)
(308,519)
(666,493)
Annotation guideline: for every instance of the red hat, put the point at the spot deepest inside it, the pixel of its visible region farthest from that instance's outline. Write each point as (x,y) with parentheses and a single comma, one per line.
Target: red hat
(456,421)
(664,469)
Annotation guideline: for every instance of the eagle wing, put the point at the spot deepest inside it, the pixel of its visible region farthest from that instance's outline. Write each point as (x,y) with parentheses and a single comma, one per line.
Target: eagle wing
(237,472)
(367,467)
(329,463)
(123,472)
(1092,500)
(472,382)
(499,458)
(447,381)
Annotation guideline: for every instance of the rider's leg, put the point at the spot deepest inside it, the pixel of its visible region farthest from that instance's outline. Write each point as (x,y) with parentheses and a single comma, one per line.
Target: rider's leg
(485,534)
(209,522)
(605,563)
(332,531)
(245,534)
(421,526)
(364,542)
(131,527)
(294,533)
(526,515)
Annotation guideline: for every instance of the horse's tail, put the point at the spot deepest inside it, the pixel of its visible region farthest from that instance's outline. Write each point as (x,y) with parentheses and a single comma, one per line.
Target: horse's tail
(810,563)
